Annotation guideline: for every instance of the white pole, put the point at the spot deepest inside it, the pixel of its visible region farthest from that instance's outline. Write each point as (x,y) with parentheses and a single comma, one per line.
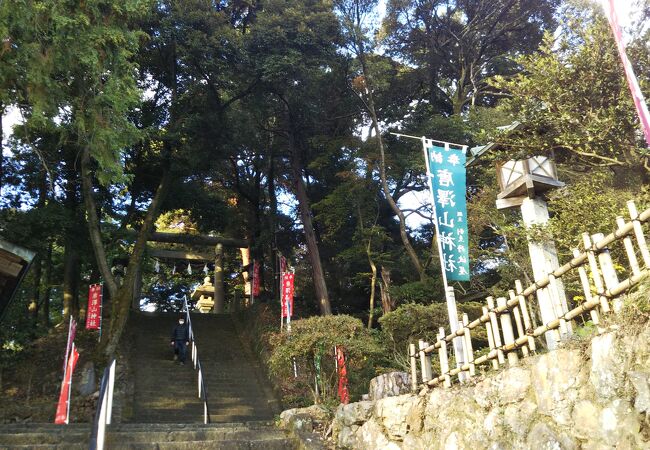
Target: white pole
(67,350)
(111,383)
(101,428)
(67,417)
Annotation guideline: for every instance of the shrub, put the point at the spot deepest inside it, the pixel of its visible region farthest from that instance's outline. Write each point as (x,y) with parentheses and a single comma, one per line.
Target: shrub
(314,339)
(413,321)
(425,292)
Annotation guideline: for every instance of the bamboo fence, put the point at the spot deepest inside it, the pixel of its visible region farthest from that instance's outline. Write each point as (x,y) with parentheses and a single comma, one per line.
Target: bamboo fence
(511,321)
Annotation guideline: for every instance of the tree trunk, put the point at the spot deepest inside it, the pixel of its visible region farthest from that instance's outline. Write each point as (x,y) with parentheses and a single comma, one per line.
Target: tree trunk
(39,262)
(387,304)
(313,253)
(382,168)
(33,306)
(273,206)
(373,283)
(93,225)
(47,287)
(122,301)
(70,278)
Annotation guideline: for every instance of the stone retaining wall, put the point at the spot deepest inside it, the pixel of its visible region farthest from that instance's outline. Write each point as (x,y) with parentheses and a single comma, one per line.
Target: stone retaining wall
(583,396)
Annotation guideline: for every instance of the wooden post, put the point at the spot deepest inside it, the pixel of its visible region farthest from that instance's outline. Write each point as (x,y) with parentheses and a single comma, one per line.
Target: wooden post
(488,327)
(427,366)
(425,362)
(444,360)
(629,249)
(638,233)
(528,325)
(520,327)
(508,333)
(595,273)
(586,288)
(468,345)
(414,367)
(495,331)
(607,268)
(219,294)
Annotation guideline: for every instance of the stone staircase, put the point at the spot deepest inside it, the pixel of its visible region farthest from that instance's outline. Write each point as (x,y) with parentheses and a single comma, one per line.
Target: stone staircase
(164,392)
(237,389)
(167,393)
(166,412)
(242,436)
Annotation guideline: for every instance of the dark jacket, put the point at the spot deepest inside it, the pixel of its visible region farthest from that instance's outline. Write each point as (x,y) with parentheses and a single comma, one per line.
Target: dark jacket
(181,333)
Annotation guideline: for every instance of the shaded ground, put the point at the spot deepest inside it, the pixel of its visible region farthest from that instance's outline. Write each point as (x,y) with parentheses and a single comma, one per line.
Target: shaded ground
(30,384)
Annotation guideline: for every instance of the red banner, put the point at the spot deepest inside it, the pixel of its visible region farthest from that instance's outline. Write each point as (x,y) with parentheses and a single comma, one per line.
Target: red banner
(62,409)
(342,370)
(287,294)
(283,264)
(256,279)
(94,312)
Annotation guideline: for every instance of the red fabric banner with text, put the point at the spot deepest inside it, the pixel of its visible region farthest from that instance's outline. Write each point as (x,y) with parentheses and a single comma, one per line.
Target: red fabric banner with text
(287,294)
(344,394)
(94,312)
(62,407)
(256,279)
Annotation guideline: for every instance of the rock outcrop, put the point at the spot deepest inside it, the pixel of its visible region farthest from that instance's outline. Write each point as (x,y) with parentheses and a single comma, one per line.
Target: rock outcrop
(576,397)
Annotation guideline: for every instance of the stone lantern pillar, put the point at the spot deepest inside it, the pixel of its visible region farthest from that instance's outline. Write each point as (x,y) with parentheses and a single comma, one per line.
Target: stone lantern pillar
(522,183)
(204,296)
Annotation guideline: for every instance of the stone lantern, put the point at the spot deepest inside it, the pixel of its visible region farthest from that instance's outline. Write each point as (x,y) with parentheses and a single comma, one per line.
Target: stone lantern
(204,296)
(522,183)
(525,178)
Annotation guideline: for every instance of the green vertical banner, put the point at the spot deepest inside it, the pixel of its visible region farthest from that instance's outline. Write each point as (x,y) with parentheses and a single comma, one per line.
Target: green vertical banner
(447,180)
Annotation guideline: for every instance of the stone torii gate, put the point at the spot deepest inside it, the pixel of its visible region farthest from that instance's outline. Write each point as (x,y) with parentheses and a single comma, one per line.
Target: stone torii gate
(215,242)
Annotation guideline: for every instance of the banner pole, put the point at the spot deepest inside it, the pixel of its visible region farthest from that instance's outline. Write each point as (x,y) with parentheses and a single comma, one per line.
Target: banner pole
(67,349)
(67,416)
(450,298)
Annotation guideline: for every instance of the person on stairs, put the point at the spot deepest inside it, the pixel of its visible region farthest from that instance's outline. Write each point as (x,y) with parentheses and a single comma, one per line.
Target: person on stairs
(180,340)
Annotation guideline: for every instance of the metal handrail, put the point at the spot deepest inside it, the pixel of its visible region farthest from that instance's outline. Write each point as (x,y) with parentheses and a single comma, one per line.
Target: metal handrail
(104,408)
(203,393)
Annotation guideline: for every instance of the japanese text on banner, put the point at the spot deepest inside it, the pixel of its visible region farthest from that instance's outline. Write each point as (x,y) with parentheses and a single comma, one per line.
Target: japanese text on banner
(94,312)
(447,171)
(287,294)
(256,279)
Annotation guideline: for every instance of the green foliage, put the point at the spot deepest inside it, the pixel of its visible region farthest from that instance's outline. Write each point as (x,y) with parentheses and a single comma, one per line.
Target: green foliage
(572,98)
(424,292)
(91,46)
(317,336)
(412,321)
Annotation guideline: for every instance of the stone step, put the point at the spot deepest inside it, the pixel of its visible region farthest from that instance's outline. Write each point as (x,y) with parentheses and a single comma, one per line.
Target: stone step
(267,444)
(206,434)
(155,427)
(42,437)
(66,446)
